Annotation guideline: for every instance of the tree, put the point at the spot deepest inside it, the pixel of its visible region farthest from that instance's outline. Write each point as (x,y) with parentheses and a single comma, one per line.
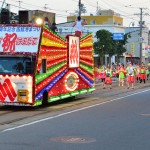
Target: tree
(103,45)
(106,45)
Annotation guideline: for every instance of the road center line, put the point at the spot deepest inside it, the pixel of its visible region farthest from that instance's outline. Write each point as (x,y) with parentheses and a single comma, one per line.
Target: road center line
(63,114)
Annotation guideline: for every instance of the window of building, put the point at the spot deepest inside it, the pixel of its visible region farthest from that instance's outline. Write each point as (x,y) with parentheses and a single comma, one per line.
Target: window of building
(93,22)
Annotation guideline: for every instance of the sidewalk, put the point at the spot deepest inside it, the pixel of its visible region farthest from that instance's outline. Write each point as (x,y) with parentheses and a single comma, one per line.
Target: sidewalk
(107,93)
(115,83)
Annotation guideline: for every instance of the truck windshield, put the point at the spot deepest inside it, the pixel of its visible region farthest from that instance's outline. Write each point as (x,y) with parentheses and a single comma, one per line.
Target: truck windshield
(17,65)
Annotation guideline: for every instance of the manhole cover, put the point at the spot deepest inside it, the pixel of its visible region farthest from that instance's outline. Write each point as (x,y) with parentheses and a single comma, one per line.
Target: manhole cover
(73,139)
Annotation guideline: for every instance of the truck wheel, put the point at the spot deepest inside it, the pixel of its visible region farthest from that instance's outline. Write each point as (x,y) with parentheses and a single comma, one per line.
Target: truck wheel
(45,98)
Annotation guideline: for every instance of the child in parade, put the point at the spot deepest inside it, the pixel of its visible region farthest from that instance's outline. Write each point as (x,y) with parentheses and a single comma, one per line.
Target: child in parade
(130,76)
(143,74)
(122,74)
(102,76)
(108,79)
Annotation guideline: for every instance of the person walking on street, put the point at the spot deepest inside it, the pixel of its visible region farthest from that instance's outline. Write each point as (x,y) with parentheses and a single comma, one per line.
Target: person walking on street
(147,73)
(102,75)
(138,70)
(108,79)
(143,74)
(122,74)
(78,26)
(130,76)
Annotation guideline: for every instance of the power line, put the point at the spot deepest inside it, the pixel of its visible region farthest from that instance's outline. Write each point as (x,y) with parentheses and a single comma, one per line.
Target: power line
(19,3)
(141,22)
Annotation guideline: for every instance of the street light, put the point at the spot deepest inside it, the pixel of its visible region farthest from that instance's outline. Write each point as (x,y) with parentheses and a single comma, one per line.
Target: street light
(39,21)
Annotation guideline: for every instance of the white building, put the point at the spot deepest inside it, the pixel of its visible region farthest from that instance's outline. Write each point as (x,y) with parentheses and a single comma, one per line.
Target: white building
(133,45)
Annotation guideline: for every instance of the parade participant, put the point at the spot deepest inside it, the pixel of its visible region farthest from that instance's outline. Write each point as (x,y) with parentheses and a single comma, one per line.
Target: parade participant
(143,74)
(147,73)
(149,67)
(102,76)
(130,76)
(96,73)
(122,74)
(54,27)
(137,73)
(108,79)
(79,25)
(47,22)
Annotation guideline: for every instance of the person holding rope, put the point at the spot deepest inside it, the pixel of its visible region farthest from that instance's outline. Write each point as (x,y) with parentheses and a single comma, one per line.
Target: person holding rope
(78,26)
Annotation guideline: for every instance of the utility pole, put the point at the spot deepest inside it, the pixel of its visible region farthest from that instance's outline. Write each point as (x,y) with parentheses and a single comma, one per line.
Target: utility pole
(79,7)
(141,38)
(97,7)
(19,3)
(141,28)
(141,23)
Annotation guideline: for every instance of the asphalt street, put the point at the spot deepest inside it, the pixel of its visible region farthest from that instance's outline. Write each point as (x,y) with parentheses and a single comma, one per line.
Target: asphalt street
(117,124)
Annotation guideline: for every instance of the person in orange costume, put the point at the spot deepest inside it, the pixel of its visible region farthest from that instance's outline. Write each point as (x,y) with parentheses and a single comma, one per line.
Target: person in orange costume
(137,70)
(102,75)
(130,75)
(108,79)
(143,74)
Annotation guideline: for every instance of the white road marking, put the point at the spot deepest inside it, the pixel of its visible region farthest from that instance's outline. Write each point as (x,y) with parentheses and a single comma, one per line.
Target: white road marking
(49,118)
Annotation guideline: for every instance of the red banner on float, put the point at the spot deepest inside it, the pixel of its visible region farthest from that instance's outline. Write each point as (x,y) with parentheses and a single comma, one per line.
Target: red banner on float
(74,53)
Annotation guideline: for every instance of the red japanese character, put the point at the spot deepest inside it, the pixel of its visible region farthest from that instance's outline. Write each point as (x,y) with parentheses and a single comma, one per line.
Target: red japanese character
(9,42)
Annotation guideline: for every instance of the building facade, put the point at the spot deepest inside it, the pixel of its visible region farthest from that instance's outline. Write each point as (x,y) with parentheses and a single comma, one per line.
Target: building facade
(133,45)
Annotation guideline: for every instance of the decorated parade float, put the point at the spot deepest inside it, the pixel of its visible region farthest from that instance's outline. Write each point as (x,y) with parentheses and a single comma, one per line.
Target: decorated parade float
(38,66)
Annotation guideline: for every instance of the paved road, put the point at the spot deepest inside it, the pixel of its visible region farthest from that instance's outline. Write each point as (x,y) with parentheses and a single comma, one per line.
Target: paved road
(116,124)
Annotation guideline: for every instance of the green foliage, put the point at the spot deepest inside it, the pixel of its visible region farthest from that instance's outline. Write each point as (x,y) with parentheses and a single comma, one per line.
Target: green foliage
(104,42)
(106,45)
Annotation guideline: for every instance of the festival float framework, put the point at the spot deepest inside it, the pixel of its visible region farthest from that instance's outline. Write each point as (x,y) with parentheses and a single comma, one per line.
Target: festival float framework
(63,67)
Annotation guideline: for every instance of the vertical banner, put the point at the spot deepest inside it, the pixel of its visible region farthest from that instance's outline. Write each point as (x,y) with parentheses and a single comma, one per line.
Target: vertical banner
(74,53)
(132,48)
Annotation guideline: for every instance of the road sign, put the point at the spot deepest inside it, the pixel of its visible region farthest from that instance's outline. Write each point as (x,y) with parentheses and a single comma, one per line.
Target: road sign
(118,36)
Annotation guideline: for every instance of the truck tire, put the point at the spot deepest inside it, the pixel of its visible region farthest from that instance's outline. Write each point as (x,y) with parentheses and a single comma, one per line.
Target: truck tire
(45,98)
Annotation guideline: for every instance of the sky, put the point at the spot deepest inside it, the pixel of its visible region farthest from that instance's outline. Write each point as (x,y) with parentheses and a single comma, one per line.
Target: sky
(128,9)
